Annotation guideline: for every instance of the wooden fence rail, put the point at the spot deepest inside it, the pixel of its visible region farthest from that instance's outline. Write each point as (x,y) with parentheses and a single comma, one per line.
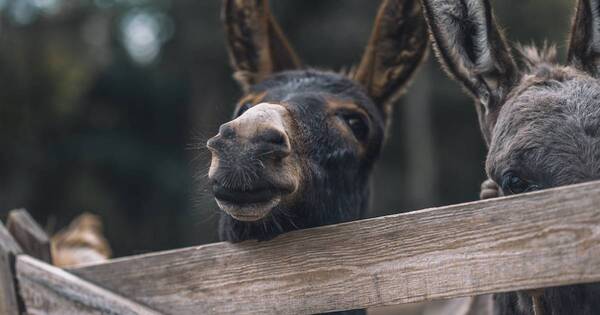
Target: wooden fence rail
(50,290)
(546,238)
(542,239)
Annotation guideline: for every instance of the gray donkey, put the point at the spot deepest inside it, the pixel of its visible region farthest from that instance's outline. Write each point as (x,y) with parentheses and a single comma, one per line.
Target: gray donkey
(540,120)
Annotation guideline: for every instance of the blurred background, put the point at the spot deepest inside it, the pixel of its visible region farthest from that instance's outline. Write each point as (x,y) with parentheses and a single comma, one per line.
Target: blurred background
(105,106)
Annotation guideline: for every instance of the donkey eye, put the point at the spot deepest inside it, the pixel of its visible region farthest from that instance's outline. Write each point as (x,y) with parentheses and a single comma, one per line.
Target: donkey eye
(512,183)
(246,106)
(358,126)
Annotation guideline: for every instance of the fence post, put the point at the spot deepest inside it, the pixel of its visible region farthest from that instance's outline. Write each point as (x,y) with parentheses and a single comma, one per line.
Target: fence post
(29,235)
(9,303)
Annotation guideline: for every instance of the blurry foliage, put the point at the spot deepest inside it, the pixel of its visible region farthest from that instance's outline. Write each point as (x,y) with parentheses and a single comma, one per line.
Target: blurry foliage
(105,105)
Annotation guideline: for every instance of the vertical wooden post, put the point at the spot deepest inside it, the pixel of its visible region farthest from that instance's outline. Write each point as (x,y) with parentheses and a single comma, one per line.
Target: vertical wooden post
(29,235)
(9,303)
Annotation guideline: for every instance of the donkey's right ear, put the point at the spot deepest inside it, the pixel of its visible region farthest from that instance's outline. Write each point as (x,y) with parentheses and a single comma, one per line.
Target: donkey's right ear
(584,49)
(397,46)
(473,50)
(257,46)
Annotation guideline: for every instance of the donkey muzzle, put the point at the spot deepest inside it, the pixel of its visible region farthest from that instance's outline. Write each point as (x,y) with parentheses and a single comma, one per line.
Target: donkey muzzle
(250,162)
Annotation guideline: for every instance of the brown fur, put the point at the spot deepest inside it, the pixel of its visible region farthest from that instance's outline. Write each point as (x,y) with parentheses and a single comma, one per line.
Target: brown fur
(316,170)
(393,52)
(252,98)
(82,242)
(255,57)
(336,105)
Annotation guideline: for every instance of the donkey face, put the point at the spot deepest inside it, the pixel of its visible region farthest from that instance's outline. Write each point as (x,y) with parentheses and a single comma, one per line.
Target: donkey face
(541,121)
(547,133)
(295,130)
(302,143)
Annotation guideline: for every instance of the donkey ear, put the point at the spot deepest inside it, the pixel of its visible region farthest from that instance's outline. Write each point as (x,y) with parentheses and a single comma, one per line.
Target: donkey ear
(257,46)
(473,51)
(584,48)
(395,50)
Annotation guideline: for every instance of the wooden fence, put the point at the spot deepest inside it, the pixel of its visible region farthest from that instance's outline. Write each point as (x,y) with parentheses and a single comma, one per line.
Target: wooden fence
(542,239)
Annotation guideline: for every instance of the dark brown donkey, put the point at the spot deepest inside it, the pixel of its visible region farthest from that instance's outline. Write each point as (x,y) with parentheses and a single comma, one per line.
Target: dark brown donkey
(302,143)
(541,120)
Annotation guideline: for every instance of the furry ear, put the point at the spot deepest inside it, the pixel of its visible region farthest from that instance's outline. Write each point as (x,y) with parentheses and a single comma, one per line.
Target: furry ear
(584,47)
(472,50)
(395,50)
(257,46)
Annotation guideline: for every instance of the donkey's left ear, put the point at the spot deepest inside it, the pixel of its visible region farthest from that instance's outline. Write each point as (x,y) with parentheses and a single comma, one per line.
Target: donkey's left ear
(257,46)
(397,46)
(584,48)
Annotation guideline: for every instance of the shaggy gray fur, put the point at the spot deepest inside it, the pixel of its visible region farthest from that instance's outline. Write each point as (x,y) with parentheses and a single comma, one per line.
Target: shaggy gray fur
(541,120)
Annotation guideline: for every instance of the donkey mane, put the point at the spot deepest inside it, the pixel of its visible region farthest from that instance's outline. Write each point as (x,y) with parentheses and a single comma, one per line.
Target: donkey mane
(534,59)
(541,68)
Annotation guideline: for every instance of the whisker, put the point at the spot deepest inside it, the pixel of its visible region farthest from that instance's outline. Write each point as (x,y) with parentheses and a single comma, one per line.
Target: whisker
(279,227)
(265,153)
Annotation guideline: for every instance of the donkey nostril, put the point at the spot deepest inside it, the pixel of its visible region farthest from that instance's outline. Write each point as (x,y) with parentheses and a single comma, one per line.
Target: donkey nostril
(272,143)
(210,143)
(215,144)
(273,136)
(226,131)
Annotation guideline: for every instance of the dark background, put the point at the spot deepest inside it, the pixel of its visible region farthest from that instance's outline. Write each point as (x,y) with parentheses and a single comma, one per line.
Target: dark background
(105,106)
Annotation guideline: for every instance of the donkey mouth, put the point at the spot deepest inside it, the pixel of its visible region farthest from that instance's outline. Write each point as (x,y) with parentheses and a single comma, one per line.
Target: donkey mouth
(255,195)
(247,205)
(250,211)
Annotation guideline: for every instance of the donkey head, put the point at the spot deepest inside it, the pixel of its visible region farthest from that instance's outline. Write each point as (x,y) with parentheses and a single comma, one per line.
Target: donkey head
(302,142)
(541,120)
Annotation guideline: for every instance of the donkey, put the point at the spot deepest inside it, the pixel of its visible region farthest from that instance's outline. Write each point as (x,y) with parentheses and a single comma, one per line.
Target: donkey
(540,120)
(302,143)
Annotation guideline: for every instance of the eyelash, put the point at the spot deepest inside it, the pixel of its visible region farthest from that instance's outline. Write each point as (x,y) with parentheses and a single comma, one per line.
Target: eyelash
(246,106)
(512,183)
(357,124)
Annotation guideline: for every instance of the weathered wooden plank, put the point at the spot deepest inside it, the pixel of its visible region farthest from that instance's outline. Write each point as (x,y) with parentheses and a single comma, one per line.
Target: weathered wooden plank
(8,294)
(546,238)
(50,290)
(32,238)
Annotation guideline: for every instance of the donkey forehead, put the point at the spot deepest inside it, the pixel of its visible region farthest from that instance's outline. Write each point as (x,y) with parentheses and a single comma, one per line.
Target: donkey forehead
(552,126)
(309,80)
(314,90)
(552,104)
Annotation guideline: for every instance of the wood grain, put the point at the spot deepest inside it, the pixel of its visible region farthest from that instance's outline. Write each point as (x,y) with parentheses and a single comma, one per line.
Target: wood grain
(49,290)
(8,294)
(30,236)
(546,238)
